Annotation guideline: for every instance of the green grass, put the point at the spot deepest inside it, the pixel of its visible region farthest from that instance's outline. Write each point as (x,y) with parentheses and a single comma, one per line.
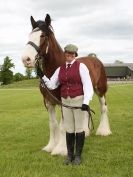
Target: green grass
(24,131)
(30,83)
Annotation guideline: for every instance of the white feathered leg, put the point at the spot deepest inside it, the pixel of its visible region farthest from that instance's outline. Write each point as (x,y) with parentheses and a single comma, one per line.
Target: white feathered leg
(104,128)
(54,129)
(61,146)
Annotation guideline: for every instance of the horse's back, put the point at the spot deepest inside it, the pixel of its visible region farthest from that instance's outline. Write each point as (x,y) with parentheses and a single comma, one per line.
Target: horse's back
(97,73)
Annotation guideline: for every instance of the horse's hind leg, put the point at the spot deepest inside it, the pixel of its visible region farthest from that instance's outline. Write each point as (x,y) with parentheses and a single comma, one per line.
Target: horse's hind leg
(104,128)
(54,129)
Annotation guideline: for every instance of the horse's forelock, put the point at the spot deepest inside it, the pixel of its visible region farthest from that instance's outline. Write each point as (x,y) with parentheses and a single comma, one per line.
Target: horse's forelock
(43,26)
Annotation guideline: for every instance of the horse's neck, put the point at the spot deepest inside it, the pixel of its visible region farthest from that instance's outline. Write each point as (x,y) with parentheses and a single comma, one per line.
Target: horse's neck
(55,58)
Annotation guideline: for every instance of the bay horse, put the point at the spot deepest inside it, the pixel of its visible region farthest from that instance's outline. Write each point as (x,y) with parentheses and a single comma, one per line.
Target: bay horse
(42,43)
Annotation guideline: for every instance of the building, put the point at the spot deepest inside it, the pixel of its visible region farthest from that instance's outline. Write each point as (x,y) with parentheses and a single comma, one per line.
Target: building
(119,70)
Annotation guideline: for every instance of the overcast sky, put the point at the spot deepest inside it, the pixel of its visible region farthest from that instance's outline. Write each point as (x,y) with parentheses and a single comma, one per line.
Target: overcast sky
(104,27)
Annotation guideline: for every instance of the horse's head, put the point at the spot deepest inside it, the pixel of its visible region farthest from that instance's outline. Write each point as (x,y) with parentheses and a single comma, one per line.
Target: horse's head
(38,41)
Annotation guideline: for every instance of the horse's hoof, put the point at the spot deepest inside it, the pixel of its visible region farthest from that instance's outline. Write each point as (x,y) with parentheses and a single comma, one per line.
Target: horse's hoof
(55,151)
(64,152)
(47,148)
(59,151)
(103,133)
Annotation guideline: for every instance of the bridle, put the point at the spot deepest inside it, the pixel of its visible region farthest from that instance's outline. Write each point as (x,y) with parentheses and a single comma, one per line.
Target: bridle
(38,48)
(38,58)
(34,46)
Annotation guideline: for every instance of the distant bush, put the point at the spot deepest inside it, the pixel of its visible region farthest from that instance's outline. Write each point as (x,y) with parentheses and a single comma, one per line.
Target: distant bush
(18,77)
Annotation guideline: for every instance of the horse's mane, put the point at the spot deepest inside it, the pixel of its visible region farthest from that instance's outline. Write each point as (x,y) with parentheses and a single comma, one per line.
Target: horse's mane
(42,25)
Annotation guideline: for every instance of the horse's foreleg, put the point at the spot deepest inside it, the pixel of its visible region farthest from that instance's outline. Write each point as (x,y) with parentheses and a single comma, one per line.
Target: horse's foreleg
(104,128)
(61,146)
(54,129)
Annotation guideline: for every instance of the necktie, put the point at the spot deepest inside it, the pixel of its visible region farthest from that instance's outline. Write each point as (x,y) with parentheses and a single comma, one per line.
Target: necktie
(69,65)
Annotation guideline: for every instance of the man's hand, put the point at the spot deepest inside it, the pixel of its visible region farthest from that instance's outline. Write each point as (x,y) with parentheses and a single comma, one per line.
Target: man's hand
(84,107)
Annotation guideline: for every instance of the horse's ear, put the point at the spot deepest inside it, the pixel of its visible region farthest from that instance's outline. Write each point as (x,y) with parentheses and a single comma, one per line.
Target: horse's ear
(48,20)
(33,22)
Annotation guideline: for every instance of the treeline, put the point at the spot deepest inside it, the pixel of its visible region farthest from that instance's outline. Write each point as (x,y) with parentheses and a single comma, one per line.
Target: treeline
(7,76)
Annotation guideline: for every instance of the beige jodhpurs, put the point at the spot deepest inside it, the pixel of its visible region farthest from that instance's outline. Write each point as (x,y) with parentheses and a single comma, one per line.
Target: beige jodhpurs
(73,118)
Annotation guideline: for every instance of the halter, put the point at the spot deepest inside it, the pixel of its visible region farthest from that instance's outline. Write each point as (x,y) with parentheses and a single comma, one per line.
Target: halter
(34,46)
(39,56)
(38,48)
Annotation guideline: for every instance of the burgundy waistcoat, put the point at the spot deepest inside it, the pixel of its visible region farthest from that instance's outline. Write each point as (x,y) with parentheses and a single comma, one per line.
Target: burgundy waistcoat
(70,81)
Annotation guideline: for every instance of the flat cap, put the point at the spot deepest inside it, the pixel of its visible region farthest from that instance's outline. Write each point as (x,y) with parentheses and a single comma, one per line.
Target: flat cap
(71,48)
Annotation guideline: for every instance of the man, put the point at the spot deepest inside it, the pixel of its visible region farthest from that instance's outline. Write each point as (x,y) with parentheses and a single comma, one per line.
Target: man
(76,90)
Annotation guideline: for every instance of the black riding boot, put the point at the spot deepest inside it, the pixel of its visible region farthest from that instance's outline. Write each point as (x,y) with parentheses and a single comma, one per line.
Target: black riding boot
(70,141)
(80,137)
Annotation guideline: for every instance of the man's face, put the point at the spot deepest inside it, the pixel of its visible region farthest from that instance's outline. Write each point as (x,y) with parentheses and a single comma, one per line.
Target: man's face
(70,56)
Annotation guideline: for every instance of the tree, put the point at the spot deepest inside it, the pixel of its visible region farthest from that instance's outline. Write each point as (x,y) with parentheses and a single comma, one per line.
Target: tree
(18,77)
(28,72)
(6,75)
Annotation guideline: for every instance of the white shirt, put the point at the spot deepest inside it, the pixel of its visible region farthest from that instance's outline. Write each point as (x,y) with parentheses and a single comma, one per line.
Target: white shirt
(53,82)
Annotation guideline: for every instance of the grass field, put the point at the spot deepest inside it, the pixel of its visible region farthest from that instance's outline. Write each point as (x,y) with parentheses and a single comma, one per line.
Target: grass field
(24,131)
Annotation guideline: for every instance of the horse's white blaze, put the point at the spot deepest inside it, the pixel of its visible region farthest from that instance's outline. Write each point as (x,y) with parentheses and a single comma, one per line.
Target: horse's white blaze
(29,53)
(104,128)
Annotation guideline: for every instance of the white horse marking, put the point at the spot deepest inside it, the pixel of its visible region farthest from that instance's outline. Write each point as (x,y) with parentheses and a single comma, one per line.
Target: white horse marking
(54,129)
(104,128)
(29,53)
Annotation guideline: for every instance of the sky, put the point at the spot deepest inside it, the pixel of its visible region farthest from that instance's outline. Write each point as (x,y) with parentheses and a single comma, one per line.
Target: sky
(103,27)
